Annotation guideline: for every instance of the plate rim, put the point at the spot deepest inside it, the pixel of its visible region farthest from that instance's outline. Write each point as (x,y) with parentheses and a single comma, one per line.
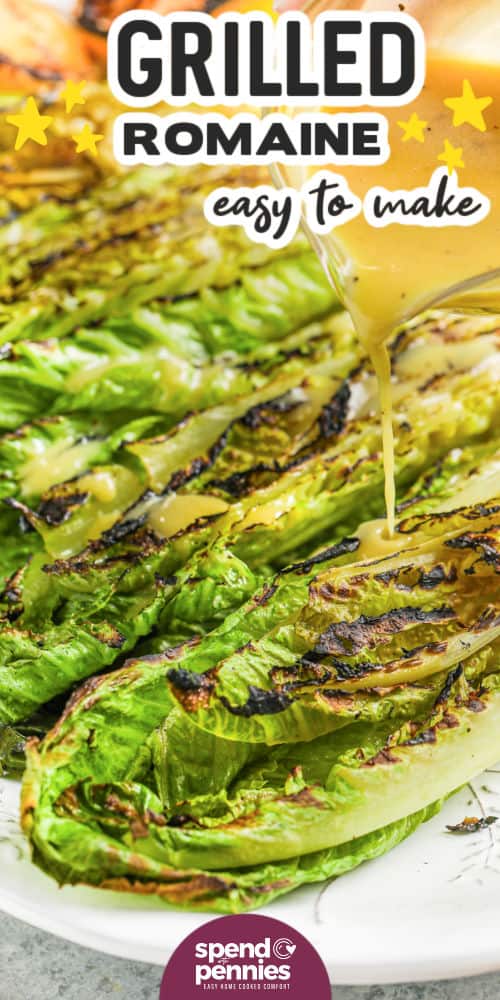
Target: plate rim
(449,966)
(413,958)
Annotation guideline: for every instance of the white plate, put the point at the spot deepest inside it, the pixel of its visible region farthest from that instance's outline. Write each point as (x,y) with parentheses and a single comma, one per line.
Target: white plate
(430,909)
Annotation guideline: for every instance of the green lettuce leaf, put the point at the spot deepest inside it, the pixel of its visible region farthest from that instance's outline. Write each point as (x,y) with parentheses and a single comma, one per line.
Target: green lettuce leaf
(147,821)
(164,357)
(124,581)
(112,262)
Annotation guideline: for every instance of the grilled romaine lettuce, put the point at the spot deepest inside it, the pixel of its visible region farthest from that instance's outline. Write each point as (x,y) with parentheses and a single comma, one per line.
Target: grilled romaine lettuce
(276,686)
(80,494)
(322,431)
(348,729)
(191,440)
(75,616)
(157,248)
(167,359)
(59,450)
(164,357)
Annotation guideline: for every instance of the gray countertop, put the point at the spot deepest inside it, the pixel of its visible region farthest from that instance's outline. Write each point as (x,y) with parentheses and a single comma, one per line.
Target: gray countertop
(35,964)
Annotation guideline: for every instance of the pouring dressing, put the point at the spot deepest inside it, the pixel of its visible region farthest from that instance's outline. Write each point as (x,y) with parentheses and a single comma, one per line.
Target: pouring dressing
(388,275)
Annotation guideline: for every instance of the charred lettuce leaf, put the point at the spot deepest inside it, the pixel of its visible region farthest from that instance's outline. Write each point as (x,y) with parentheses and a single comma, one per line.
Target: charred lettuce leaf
(58,451)
(341,655)
(301,427)
(320,741)
(75,507)
(164,357)
(112,262)
(64,613)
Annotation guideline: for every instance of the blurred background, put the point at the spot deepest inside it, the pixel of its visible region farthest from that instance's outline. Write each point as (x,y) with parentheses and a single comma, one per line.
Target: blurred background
(43,43)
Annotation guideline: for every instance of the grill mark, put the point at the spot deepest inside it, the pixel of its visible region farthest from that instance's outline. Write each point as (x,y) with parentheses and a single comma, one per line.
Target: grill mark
(433,380)
(265,595)
(263,413)
(429,479)
(475,705)
(182,888)
(330,591)
(431,648)
(479,510)
(188,680)
(446,690)
(180,820)
(145,541)
(388,575)
(39,266)
(24,430)
(58,509)
(344,547)
(259,702)
(305,797)
(365,632)
(436,576)
(397,347)
(333,416)
(238,484)
(347,673)
(107,634)
(121,529)
(488,619)
(340,671)
(312,663)
(427,736)
(198,465)
(338,700)
(12,596)
(146,544)
(384,756)
(477,543)
(54,511)
(469,514)
(192,689)
(304,351)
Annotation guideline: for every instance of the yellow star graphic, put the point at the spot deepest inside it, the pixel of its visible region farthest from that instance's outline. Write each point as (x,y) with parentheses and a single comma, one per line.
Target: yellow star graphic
(72,94)
(468,109)
(413,128)
(86,140)
(30,124)
(452,157)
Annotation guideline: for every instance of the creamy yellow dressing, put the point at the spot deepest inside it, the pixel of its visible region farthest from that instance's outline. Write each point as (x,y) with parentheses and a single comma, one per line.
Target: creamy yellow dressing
(375,543)
(388,276)
(55,465)
(111,490)
(178,511)
(101,484)
(482,486)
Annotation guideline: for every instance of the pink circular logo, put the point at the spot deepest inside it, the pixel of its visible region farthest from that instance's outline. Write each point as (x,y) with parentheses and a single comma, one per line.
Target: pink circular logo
(234,955)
